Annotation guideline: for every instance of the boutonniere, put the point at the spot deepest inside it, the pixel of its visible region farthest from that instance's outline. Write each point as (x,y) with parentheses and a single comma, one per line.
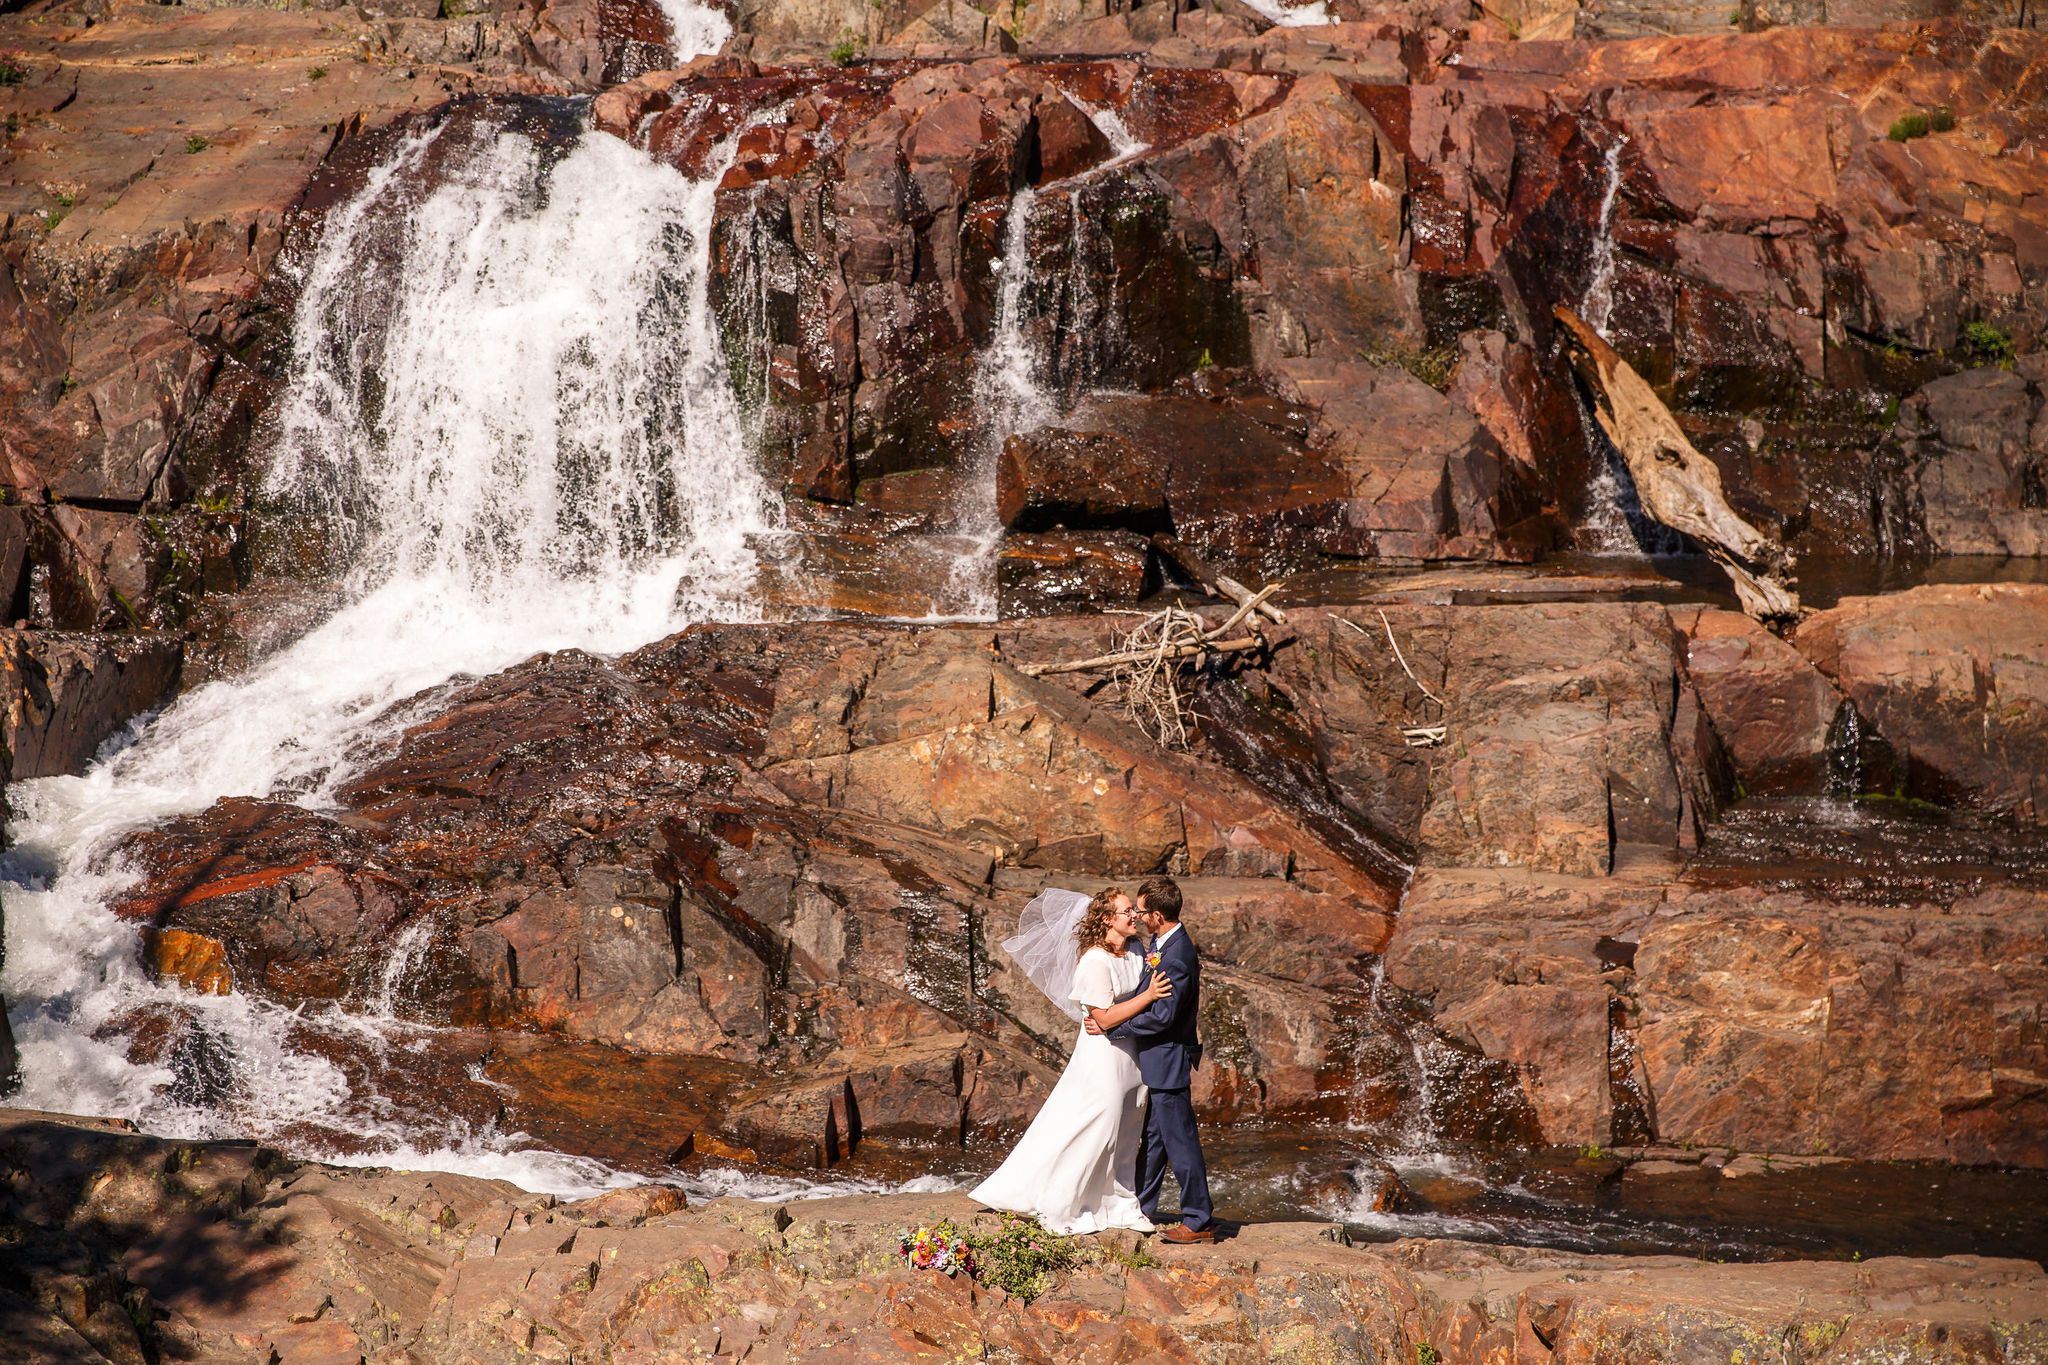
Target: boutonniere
(1151,959)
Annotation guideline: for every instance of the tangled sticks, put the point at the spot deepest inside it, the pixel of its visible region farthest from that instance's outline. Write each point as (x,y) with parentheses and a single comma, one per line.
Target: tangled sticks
(1147,663)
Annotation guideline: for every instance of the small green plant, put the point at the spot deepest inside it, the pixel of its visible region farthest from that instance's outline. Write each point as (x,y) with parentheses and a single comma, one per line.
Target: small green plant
(453,9)
(65,201)
(1991,342)
(1941,119)
(1022,1257)
(848,49)
(1426,1354)
(66,385)
(196,144)
(1432,365)
(1139,1257)
(1906,127)
(1206,361)
(56,218)
(316,73)
(1591,1152)
(1735,18)
(13,68)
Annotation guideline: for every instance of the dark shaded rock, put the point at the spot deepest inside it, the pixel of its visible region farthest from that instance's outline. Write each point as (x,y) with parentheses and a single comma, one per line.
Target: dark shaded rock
(1050,572)
(1081,479)
(65,694)
(1975,448)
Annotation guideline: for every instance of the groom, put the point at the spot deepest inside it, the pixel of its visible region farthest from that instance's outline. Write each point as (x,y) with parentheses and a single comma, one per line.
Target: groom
(1167,1052)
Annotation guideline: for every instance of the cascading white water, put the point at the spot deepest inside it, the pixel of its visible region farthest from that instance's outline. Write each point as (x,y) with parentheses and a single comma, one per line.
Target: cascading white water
(1294,16)
(694,29)
(523,438)
(1606,527)
(1599,300)
(1009,397)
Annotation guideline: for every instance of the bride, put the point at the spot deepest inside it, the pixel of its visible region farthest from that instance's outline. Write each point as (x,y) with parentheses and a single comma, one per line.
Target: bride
(1075,1168)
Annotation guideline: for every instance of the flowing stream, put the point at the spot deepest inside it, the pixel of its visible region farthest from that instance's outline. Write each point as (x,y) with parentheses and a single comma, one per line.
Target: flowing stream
(523,438)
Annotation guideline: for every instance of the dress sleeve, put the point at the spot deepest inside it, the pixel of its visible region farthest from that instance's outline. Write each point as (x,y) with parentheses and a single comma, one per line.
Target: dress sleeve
(1094,984)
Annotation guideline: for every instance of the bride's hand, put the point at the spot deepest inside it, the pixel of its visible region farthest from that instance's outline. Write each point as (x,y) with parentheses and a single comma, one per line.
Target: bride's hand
(1160,987)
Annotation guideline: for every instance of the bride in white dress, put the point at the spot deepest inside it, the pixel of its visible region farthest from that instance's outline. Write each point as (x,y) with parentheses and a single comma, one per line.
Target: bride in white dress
(1075,1168)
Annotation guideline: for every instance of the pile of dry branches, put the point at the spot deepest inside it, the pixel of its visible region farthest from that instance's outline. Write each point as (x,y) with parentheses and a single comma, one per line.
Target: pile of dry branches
(1150,662)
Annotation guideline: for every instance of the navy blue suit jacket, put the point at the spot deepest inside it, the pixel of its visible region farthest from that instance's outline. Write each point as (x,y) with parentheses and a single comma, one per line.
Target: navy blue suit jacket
(1165,1030)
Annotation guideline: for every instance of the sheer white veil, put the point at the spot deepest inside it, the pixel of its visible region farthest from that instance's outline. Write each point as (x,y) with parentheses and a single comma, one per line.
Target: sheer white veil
(1044,948)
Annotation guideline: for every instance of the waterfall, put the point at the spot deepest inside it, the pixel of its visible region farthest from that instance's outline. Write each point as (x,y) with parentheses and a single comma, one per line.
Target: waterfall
(509,415)
(694,29)
(1009,397)
(1599,300)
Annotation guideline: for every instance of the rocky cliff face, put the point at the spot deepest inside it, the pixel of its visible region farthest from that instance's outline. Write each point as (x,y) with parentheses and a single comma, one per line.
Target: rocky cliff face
(1049,284)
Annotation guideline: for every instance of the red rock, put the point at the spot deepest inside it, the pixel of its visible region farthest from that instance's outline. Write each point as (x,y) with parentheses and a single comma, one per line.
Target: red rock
(1950,676)
(1054,572)
(1773,711)
(1068,140)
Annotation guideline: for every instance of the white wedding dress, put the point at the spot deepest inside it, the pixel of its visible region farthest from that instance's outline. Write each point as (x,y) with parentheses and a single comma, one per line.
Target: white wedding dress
(1076,1167)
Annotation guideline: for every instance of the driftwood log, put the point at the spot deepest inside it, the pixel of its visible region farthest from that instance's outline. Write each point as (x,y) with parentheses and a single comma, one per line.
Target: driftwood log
(1676,484)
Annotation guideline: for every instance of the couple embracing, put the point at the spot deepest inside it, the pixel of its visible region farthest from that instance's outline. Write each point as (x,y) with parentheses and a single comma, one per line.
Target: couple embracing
(1095,1155)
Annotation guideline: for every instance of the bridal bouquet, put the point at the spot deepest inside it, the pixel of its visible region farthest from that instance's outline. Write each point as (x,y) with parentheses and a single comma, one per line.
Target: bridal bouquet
(938,1247)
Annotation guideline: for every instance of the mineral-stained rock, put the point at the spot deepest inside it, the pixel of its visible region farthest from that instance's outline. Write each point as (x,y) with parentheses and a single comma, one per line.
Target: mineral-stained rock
(1772,710)
(1952,677)
(66,694)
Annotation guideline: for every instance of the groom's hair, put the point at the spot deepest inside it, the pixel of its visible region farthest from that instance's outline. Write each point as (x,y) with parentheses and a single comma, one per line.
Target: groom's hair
(1162,896)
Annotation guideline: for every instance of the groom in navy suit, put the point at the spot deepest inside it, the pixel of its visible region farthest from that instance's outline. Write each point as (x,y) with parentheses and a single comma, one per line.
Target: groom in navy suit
(1167,1052)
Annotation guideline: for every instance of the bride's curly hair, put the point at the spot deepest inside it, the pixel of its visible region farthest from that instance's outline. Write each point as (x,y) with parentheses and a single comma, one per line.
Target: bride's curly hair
(1093,929)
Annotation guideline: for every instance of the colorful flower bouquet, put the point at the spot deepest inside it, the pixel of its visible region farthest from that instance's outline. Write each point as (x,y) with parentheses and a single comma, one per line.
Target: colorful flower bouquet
(939,1247)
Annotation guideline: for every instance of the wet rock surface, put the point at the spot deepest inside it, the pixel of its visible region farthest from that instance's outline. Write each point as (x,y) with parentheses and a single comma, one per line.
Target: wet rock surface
(129,1246)
(794,849)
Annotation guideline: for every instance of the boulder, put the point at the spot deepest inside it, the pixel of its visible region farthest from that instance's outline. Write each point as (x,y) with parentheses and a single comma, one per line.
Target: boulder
(1951,676)
(1556,748)
(1774,713)
(1425,478)
(1068,140)
(66,694)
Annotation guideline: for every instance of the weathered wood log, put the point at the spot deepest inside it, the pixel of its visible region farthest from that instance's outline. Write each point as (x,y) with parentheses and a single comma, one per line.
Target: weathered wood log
(1676,484)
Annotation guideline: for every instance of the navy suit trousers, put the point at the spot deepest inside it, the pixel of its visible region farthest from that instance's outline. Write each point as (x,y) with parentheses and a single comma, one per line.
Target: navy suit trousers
(1170,1138)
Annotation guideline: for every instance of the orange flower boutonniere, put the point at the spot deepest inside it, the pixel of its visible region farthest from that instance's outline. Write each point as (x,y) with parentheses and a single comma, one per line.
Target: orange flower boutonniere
(1151,959)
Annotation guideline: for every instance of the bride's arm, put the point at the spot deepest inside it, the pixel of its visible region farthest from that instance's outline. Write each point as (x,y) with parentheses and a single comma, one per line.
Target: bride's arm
(1157,988)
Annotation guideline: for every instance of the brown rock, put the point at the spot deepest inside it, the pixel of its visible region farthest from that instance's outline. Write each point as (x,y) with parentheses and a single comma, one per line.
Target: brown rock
(1054,572)
(1068,140)
(1951,677)
(1773,712)
(1556,747)
(1080,479)
(1768,1021)
(66,694)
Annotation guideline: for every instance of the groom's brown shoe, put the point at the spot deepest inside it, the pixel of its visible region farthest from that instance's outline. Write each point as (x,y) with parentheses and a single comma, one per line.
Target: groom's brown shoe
(1182,1234)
